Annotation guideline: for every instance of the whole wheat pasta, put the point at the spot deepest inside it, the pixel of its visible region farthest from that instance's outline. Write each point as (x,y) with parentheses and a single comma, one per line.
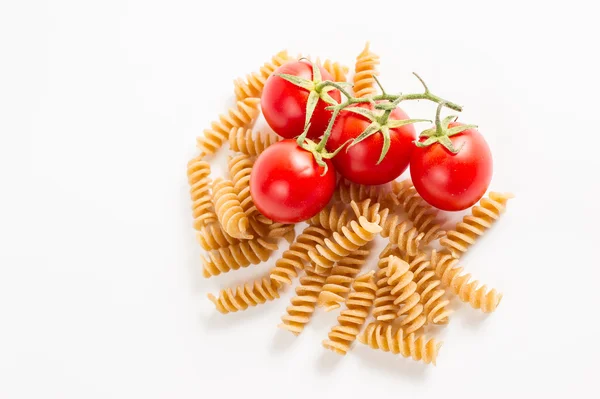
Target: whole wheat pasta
(348,191)
(333,217)
(429,287)
(365,68)
(421,214)
(380,336)
(296,256)
(402,234)
(335,69)
(474,225)
(340,245)
(242,115)
(255,82)
(240,140)
(246,295)
(384,308)
(240,168)
(350,321)
(213,236)
(198,172)
(467,291)
(303,304)
(370,210)
(339,281)
(243,254)
(229,210)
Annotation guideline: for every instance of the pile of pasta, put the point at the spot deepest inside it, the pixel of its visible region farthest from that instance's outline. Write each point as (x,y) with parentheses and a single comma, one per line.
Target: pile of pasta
(386,308)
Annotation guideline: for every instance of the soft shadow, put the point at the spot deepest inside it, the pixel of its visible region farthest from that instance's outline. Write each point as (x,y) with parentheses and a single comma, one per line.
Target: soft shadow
(217,320)
(388,363)
(328,361)
(283,340)
(475,318)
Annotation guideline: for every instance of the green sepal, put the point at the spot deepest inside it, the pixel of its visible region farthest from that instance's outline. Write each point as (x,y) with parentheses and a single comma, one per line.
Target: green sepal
(426,143)
(392,123)
(326,97)
(298,81)
(449,119)
(311,104)
(446,142)
(458,129)
(362,111)
(300,140)
(385,130)
(373,128)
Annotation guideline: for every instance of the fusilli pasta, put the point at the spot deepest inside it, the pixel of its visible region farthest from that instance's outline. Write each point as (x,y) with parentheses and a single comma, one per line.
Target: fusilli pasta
(384,308)
(246,295)
(198,172)
(212,236)
(348,191)
(407,298)
(233,257)
(433,295)
(240,168)
(332,217)
(240,140)
(303,304)
(335,69)
(365,68)
(255,82)
(402,234)
(229,210)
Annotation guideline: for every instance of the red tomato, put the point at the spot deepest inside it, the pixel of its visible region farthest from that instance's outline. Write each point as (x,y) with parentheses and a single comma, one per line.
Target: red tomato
(453,182)
(284,104)
(286,183)
(359,162)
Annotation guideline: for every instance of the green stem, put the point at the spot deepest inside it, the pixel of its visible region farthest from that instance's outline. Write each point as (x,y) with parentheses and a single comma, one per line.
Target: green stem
(327,132)
(439,129)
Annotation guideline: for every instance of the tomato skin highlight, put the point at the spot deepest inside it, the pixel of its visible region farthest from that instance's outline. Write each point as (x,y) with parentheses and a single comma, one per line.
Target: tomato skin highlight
(453,182)
(284,104)
(359,163)
(286,183)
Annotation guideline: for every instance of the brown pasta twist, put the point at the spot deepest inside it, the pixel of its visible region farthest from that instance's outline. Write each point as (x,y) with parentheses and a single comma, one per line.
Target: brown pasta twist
(233,257)
(240,169)
(332,217)
(479,298)
(341,245)
(242,115)
(241,140)
(339,281)
(348,191)
(407,298)
(370,210)
(255,82)
(229,210)
(303,304)
(198,172)
(212,236)
(402,234)
(421,214)
(246,295)
(473,226)
(293,259)
(433,295)
(335,69)
(365,68)
(380,336)
(350,321)
(384,308)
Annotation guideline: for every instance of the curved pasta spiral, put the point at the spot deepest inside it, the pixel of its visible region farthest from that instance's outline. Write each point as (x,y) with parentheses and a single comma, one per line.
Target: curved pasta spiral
(473,226)
(370,210)
(335,69)
(341,245)
(407,298)
(348,191)
(479,298)
(198,172)
(242,115)
(233,257)
(255,82)
(365,68)
(293,259)
(421,214)
(350,321)
(433,296)
(384,308)
(241,140)
(332,217)
(212,236)
(229,210)
(339,281)
(419,348)
(246,295)
(240,168)
(303,304)
(402,234)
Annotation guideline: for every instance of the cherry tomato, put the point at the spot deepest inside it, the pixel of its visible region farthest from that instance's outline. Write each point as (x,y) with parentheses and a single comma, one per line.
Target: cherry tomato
(453,182)
(359,162)
(286,183)
(284,104)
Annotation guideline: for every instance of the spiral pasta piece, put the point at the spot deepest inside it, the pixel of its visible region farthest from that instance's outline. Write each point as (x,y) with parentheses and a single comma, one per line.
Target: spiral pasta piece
(402,234)
(429,287)
(335,69)
(255,82)
(241,140)
(332,217)
(229,210)
(350,321)
(243,254)
(338,283)
(384,308)
(198,172)
(246,295)
(348,191)
(370,210)
(240,169)
(467,291)
(212,236)
(473,226)
(242,115)
(421,214)
(341,245)
(365,68)
(296,256)
(380,336)
(400,278)
(303,304)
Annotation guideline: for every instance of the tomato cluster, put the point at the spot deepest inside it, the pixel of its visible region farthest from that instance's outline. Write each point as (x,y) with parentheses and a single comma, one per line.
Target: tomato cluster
(293,180)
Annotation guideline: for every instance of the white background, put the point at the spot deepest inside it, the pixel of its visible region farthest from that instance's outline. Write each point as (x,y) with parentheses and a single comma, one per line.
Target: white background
(100,104)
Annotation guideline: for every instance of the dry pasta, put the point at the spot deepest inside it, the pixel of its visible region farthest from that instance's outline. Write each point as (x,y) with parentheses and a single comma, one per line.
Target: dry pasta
(198,172)
(365,68)
(212,236)
(380,336)
(348,191)
(240,140)
(335,69)
(243,254)
(229,210)
(255,82)
(384,308)
(303,304)
(402,234)
(461,285)
(433,295)
(370,210)
(332,217)
(240,168)
(242,115)
(350,321)
(474,225)
(422,215)
(246,295)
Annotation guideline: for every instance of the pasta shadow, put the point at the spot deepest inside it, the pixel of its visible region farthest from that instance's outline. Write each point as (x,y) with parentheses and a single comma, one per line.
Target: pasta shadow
(328,361)
(386,362)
